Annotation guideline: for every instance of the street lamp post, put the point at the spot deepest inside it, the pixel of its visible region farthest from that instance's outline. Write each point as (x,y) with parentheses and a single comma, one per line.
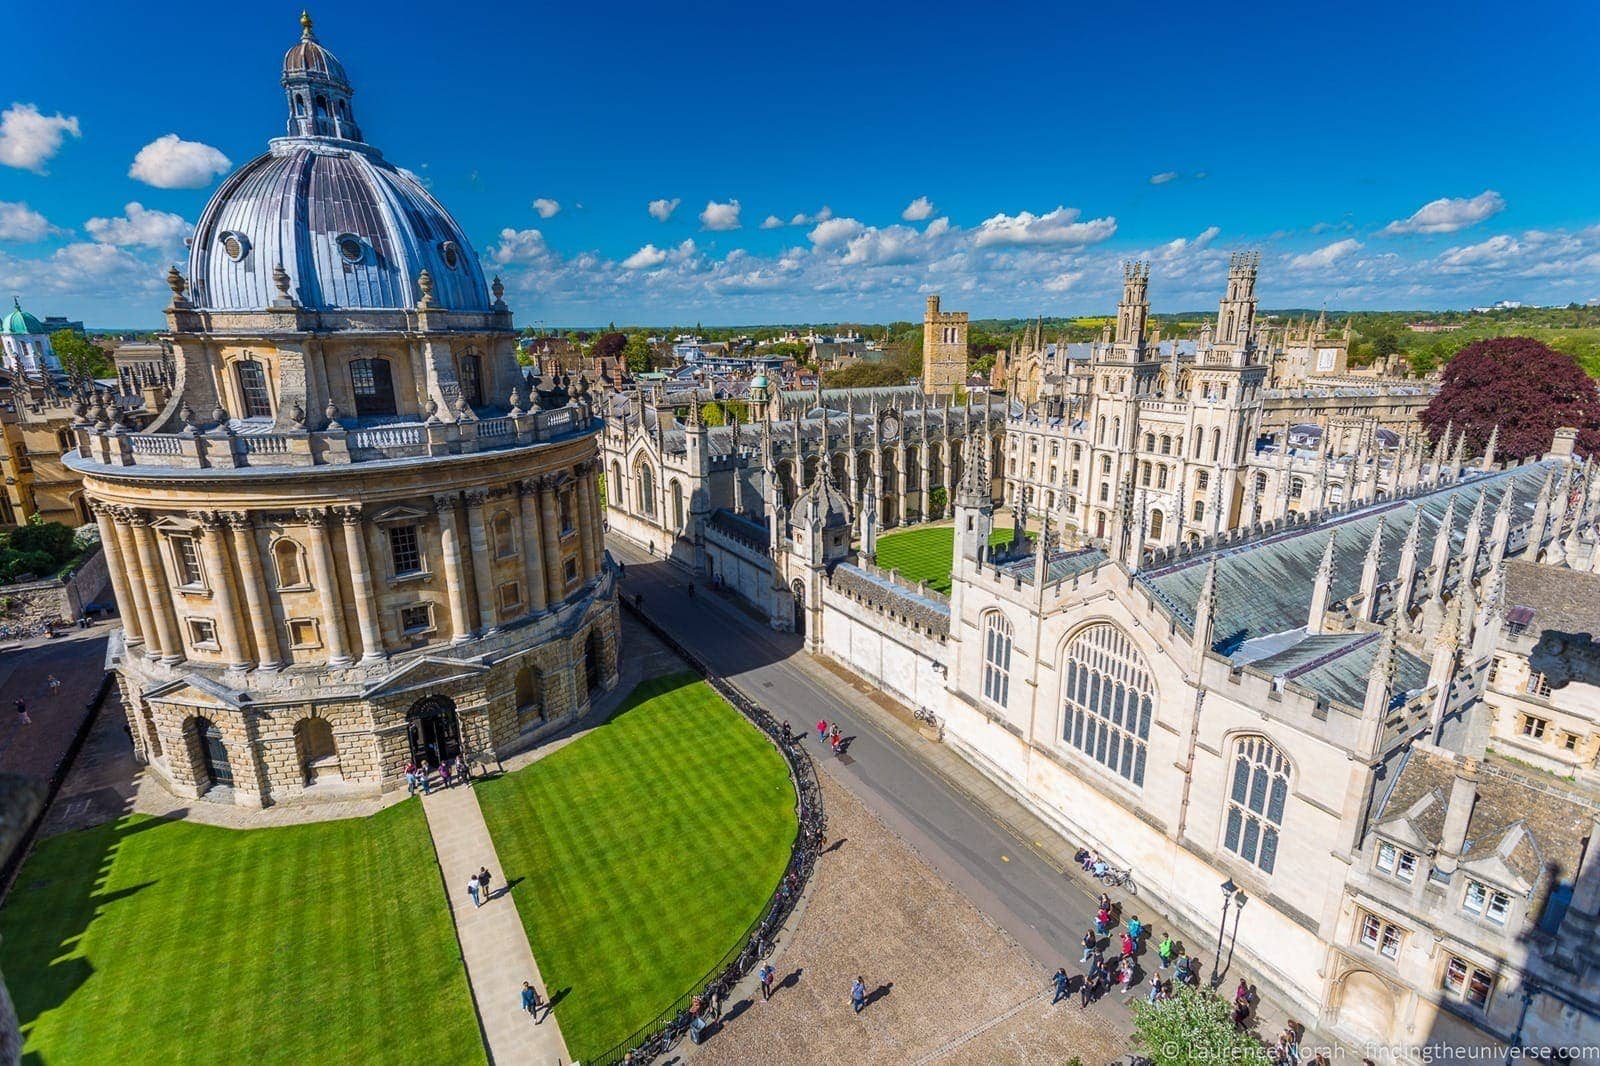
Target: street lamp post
(1228,889)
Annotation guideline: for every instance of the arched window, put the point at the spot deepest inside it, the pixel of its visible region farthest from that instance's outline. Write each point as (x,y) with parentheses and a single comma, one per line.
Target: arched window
(373,386)
(253,396)
(1216,444)
(1107,700)
(1166,444)
(1256,799)
(647,490)
(471,378)
(1202,481)
(1149,442)
(614,483)
(1261,483)
(1161,477)
(1199,511)
(291,564)
(996,658)
(1199,436)
(1297,488)
(1158,522)
(1335,494)
(677,505)
(1144,473)
(505,541)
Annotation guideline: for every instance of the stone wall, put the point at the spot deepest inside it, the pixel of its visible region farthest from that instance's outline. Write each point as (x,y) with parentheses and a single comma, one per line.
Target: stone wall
(34,605)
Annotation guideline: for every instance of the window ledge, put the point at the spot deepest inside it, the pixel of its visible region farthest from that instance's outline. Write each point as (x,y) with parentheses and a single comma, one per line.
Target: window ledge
(197,591)
(417,576)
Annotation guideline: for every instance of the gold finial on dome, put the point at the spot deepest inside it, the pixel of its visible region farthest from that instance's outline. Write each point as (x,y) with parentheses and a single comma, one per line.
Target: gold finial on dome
(305,23)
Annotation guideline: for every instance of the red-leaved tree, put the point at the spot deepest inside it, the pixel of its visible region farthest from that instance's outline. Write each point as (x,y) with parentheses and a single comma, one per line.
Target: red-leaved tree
(1526,387)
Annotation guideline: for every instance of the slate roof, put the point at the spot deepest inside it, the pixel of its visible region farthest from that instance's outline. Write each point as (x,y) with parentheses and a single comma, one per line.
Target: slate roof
(1062,563)
(1567,600)
(923,611)
(1264,584)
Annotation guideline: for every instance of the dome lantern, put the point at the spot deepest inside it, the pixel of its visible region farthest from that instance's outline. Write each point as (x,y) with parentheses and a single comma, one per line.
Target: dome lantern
(317,90)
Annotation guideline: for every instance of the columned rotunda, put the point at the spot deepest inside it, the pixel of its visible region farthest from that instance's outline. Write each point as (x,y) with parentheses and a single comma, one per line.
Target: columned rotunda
(357,534)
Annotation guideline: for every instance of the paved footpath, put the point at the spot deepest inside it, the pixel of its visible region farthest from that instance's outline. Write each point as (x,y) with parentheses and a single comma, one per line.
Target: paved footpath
(493,942)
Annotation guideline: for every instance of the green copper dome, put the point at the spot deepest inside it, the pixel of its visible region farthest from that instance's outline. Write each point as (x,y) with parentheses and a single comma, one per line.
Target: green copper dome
(19,321)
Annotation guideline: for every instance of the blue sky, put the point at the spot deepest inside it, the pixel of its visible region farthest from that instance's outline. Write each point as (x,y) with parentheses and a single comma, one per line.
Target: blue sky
(1007,156)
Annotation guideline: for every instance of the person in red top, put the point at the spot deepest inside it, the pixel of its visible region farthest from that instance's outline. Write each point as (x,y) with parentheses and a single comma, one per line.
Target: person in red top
(822,729)
(1127,946)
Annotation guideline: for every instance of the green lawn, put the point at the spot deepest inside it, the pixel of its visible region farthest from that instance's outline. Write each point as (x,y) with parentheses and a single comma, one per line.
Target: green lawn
(153,941)
(646,849)
(926,552)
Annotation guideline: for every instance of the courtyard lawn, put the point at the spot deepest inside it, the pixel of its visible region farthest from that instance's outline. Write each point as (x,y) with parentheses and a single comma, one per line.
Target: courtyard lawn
(925,553)
(147,940)
(644,851)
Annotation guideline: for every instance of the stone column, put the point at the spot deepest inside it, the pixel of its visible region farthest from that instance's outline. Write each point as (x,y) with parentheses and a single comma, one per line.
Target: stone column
(214,553)
(355,550)
(132,629)
(327,579)
(157,588)
(455,582)
(257,600)
(128,547)
(588,520)
(532,545)
(550,548)
(482,564)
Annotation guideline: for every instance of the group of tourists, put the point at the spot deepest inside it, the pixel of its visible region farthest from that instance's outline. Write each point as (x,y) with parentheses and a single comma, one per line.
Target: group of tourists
(419,775)
(1123,970)
(478,886)
(830,735)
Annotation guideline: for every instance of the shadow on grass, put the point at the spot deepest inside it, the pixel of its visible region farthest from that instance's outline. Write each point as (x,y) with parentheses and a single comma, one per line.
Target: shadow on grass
(877,993)
(58,894)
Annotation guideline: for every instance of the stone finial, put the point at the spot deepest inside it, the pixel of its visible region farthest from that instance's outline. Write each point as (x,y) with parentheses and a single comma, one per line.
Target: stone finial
(516,400)
(498,290)
(297,414)
(187,414)
(431,409)
(331,413)
(280,281)
(425,286)
(178,285)
(219,415)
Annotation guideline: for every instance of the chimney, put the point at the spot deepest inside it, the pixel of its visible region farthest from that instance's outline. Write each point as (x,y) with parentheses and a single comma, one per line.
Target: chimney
(1457,815)
(1562,445)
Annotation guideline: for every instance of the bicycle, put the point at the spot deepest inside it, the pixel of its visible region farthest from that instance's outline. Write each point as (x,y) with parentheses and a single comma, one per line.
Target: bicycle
(1117,878)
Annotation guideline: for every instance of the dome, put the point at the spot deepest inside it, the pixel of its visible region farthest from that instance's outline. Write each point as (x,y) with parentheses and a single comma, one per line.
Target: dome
(759,381)
(352,231)
(823,505)
(310,60)
(19,322)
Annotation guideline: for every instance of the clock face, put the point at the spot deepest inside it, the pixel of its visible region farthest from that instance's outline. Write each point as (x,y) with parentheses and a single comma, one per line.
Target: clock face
(889,428)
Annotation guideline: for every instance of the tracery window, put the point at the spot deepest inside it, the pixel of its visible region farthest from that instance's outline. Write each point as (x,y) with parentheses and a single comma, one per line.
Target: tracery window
(1256,799)
(1158,523)
(996,658)
(647,491)
(1107,700)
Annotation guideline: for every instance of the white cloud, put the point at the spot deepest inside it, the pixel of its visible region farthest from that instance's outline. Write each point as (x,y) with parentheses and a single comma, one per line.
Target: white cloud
(519,246)
(19,222)
(937,226)
(720,216)
(1063,282)
(771,222)
(1163,177)
(140,225)
(803,219)
(546,207)
(28,138)
(170,162)
(1058,227)
(918,210)
(832,232)
(1494,252)
(1448,214)
(661,210)
(1325,256)
(645,258)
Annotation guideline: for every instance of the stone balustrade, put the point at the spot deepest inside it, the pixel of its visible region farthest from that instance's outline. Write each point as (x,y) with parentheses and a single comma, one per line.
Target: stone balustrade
(225,448)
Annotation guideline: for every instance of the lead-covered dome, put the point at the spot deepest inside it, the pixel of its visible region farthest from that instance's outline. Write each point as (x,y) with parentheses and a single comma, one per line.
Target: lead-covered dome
(350,230)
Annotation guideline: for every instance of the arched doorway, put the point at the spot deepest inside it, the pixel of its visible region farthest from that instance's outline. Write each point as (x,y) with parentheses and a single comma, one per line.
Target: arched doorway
(433,729)
(798,593)
(1366,1007)
(216,772)
(592,660)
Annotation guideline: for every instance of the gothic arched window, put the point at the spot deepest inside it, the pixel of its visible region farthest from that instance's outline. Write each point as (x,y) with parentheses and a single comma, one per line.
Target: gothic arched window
(647,490)
(1216,444)
(373,386)
(996,658)
(1158,522)
(614,484)
(1256,798)
(1107,700)
(677,505)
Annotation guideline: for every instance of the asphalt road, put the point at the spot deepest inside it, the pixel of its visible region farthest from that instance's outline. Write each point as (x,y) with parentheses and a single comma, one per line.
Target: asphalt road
(1045,911)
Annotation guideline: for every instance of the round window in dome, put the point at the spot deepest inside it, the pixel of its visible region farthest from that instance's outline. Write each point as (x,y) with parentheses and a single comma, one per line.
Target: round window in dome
(234,245)
(351,250)
(452,255)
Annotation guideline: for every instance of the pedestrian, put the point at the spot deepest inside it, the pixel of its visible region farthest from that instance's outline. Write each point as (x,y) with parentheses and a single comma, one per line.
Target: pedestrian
(1091,983)
(1242,993)
(1102,921)
(1060,981)
(483,882)
(530,1001)
(472,890)
(1127,946)
(697,1022)
(766,974)
(411,779)
(22,713)
(55,684)
(446,771)
(1129,970)
(822,729)
(622,569)
(1135,928)
(1155,987)
(858,994)
(1105,902)
(1164,950)
(425,772)
(1241,1012)
(833,740)
(466,775)
(1090,942)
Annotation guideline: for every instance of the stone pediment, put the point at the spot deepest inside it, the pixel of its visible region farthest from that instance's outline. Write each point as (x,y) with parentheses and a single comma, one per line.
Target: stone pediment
(400,513)
(193,690)
(422,673)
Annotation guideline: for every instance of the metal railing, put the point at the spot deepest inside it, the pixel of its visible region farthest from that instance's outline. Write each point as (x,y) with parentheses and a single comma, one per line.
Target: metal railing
(756,942)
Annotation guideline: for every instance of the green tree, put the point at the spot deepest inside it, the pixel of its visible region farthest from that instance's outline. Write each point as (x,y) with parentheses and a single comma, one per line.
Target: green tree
(787,350)
(938,498)
(80,357)
(637,354)
(720,412)
(1193,1029)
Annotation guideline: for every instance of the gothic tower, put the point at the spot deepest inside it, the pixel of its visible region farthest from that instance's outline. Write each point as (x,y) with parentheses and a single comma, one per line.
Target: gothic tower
(944,349)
